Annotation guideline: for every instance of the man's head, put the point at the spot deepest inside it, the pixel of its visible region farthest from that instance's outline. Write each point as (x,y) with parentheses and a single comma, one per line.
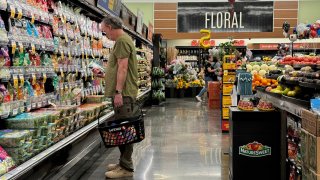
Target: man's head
(112,26)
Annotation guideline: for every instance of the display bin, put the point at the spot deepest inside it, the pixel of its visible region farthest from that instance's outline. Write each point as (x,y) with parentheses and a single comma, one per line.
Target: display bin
(225,126)
(229,66)
(229,78)
(254,145)
(226,101)
(214,104)
(227,89)
(213,86)
(214,95)
(225,113)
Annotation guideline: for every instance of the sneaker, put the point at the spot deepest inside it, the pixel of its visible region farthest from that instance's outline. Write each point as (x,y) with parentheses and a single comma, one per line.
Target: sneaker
(199,98)
(118,173)
(112,167)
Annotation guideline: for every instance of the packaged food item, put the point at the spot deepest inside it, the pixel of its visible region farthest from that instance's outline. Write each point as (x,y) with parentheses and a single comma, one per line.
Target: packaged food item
(27,121)
(4,57)
(14,138)
(245,105)
(6,162)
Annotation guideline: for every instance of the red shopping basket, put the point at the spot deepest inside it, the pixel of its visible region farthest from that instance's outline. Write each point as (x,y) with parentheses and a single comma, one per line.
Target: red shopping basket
(122,131)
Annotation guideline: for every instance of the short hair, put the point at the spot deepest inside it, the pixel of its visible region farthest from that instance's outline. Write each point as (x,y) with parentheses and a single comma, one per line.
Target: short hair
(113,21)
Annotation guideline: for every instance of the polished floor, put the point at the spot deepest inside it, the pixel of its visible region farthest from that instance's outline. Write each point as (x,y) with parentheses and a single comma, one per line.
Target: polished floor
(183,142)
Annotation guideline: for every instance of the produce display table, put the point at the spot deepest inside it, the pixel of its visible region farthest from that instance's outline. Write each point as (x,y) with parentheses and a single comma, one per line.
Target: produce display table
(254,144)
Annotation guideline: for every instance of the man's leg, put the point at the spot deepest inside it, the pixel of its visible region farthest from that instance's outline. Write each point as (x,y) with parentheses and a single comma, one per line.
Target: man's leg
(126,156)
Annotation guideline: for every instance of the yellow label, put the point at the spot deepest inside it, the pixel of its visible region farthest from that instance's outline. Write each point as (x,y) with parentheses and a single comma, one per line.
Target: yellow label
(34,79)
(33,48)
(62,55)
(66,37)
(14,47)
(32,19)
(19,13)
(87,57)
(76,71)
(82,53)
(15,82)
(61,71)
(13,12)
(44,77)
(225,72)
(69,54)
(21,47)
(22,80)
(85,76)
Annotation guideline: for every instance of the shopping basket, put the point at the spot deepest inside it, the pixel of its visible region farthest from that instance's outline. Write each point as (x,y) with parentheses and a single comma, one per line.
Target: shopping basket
(122,131)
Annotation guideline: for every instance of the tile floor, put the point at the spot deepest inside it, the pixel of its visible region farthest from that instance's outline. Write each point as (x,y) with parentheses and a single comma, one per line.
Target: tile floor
(183,141)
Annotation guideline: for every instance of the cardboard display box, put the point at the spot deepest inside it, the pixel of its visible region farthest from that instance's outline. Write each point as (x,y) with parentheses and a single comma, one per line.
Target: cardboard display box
(314,153)
(313,176)
(310,122)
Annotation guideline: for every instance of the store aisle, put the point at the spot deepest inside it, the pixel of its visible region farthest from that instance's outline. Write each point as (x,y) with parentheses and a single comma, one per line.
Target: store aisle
(183,141)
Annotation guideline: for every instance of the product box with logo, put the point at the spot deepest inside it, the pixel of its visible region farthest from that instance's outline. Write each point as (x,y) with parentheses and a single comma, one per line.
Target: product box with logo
(255,144)
(314,153)
(310,122)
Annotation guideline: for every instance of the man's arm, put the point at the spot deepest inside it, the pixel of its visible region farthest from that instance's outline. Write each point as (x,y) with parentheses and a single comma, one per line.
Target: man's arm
(122,73)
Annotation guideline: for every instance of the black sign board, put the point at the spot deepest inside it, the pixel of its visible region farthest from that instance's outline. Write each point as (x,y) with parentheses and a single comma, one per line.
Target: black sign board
(225,17)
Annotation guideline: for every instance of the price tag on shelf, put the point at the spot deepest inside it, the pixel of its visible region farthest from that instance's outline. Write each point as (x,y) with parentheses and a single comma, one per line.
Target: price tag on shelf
(14,47)
(39,104)
(19,13)
(21,47)
(44,77)
(32,18)
(22,109)
(34,79)
(15,81)
(21,77)
(14,112)
(12,11)
(69,54)
(33,48)
(28,107)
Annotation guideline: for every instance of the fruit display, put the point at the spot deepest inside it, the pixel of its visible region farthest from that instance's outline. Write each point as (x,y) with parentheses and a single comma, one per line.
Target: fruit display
(265,105)
(287,91)
(258,80)
(260,68)
(298,62)
(245,105)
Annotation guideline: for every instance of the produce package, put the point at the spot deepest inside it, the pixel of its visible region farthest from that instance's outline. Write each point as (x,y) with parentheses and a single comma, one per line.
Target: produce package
(14,138)
(64,110)
(29,120)
(265,106)
(96,98)
(245,105)
(6,162)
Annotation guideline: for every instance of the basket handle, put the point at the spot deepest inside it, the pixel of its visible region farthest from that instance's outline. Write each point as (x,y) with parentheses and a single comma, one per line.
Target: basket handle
(135,103)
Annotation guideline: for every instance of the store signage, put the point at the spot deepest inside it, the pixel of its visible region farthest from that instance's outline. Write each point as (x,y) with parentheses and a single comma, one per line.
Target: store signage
(112,6)
(253,16)
(273,46)
(255,149)
(197,42)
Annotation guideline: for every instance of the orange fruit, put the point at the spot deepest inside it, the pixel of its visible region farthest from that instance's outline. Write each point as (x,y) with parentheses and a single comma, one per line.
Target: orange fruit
(269,84)
(264,81)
